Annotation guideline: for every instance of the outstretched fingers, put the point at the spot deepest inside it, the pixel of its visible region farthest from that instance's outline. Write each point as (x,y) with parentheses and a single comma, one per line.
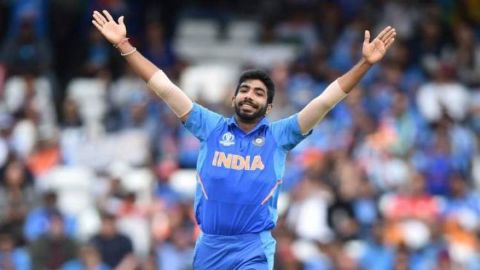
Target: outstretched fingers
(389,42)
(389,35)
(98,26)
(99,18)
(384,33)
(108,16)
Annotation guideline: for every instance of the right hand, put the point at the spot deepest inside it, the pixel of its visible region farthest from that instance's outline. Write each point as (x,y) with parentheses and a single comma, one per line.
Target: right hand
(111,30)
(376,49)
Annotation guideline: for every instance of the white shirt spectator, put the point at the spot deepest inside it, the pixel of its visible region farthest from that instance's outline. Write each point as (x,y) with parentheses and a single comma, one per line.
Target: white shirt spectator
(435,98)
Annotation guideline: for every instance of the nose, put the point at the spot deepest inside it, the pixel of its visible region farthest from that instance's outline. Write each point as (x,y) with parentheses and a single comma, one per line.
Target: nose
(248,98)
(249,95)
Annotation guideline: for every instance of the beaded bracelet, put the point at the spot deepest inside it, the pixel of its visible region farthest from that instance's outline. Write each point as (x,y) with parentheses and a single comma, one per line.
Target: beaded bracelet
(130,52)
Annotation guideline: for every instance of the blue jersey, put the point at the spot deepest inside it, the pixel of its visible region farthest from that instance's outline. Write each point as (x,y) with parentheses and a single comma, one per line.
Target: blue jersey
(238,173)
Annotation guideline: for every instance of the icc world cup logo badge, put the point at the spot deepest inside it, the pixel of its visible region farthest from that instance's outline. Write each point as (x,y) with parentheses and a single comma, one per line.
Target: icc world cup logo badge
(228,139)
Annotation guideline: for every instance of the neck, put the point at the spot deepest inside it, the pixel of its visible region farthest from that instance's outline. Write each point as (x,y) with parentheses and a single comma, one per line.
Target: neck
(247,126)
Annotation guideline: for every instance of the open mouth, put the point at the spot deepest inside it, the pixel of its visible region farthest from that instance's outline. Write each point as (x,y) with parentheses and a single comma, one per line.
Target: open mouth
(247,106)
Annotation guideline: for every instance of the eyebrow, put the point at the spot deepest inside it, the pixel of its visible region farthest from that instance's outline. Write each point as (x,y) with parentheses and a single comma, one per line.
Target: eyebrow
(255,88)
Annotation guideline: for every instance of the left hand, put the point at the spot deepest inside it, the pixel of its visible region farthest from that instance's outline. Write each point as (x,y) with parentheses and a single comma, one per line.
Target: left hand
(375,50)
(113,31)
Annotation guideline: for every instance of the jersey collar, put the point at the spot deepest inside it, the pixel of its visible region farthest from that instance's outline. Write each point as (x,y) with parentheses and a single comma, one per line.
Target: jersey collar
(232,121)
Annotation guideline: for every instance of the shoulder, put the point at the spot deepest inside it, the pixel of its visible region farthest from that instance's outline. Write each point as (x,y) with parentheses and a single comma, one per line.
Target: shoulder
(123,238)
(199,112)
(287,124)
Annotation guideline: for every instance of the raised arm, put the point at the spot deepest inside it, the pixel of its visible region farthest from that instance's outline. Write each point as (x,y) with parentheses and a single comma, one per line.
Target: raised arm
(372,52)
(116,33)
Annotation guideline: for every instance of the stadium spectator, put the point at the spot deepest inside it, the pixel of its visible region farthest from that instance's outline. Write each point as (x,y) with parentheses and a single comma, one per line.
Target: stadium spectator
(53,248)
(115,248)
(26,52)
(406,139)
(38,219)
(12,256)
(88,258)
(17,196)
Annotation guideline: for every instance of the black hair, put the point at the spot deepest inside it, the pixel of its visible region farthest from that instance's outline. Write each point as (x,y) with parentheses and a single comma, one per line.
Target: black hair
(256,74)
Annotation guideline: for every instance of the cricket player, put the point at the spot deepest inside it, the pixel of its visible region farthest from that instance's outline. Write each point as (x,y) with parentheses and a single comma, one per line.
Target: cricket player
(242,158)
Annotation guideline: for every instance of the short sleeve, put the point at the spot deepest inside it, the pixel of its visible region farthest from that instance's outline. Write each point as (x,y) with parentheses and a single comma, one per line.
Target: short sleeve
(287,132)
(201,121)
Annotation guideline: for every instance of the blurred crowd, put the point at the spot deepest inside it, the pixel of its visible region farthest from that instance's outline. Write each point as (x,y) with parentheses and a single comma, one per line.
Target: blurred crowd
(96,172)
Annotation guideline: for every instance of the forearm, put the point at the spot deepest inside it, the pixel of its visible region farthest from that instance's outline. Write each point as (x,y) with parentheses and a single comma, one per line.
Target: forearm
(372,52)
(316,109)
(157,81)
(140,65)
(335,92)
(175,98)
(348,80)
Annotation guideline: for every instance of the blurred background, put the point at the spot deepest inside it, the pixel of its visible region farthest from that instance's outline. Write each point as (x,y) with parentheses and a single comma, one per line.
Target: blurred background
(97,173)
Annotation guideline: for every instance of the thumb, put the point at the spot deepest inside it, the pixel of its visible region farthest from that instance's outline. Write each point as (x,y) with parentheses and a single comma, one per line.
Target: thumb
(367,37)
(120,20)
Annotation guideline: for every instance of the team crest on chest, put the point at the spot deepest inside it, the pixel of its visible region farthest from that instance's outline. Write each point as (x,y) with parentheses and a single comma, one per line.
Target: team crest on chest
(259,141)
(228,139)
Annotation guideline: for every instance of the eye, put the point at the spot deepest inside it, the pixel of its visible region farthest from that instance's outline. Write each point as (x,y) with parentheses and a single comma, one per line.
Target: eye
(260,93)
(243,89)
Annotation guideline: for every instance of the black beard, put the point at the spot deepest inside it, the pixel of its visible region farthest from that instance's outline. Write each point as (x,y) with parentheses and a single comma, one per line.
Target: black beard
(250,118)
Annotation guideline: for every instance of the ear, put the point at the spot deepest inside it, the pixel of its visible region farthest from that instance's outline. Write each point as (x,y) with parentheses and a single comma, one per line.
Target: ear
(233,101)
(269,108)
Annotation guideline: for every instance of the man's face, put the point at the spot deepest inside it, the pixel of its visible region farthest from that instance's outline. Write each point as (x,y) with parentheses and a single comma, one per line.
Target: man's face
(250,102)
(108,228)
